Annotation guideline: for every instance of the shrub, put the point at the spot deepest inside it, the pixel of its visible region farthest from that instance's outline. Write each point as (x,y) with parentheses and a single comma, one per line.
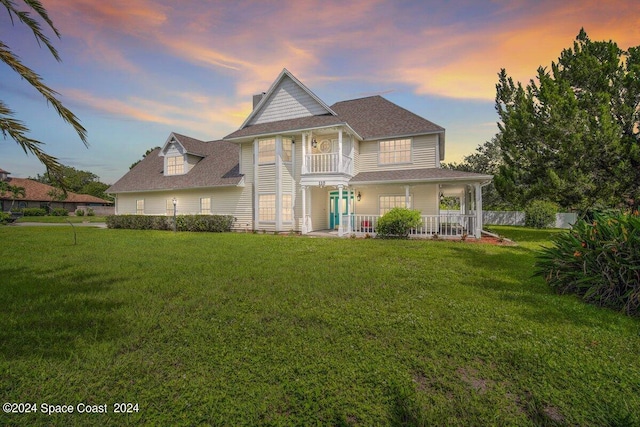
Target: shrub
(79,212)
(90,212)
(4,217)
(598,261)
(398,222)
(540,214)
(210,223)
(59,212)
(34,211)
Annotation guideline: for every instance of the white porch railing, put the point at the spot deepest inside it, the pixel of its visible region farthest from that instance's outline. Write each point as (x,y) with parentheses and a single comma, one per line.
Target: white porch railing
(440,225)
(327,163)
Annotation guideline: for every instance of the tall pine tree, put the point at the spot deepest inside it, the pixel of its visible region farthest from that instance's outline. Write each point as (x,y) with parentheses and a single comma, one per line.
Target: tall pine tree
(573,136)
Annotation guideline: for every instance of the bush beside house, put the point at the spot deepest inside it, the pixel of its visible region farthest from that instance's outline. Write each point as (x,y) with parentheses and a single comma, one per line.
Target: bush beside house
(398,222)
(209,223)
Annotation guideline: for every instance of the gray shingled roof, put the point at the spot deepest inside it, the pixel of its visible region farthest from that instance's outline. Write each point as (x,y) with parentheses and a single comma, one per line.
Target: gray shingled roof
(218,168)
(375,117)
(417,175)
(371,118)
(283,126)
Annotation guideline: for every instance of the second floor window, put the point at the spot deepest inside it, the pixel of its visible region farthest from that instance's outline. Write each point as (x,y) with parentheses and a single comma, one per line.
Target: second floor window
(394,151)
(286,150)
(175,165)
(266,151)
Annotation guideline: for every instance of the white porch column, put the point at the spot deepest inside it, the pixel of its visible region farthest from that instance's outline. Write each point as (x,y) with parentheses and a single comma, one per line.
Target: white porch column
(407,204)
(478,191)
(304,153)
(278,183)
(349,191)
(256,195)
(340,150)
(304,208)
(340,210)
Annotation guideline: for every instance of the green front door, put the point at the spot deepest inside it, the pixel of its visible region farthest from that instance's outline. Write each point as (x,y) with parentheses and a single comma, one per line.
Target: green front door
(338,208)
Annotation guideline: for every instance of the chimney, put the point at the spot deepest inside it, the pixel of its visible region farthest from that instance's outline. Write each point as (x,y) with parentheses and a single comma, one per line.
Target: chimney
(4,175)
(257,98)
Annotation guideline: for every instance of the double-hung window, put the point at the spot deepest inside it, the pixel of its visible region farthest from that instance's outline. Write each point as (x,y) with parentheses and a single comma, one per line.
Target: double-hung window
(389,202)
(205,206)
(175,165)
(267,207)
(140,207)
(394,151)
(266,151)
(287,208)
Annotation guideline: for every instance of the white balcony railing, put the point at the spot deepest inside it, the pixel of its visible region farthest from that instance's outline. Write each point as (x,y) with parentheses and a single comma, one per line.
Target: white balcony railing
(327,163)
(440,225)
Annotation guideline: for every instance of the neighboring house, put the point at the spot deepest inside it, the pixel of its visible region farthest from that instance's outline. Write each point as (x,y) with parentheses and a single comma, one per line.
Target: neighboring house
(299,164)
(38,195)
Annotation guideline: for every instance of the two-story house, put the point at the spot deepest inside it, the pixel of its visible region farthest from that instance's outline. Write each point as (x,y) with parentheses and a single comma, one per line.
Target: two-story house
(298,164)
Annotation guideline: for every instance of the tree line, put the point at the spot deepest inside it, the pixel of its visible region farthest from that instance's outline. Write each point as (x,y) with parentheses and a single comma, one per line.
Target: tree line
(571,136)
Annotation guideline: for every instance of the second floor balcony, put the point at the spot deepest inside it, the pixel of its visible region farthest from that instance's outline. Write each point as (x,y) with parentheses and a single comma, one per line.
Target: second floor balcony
(327,163)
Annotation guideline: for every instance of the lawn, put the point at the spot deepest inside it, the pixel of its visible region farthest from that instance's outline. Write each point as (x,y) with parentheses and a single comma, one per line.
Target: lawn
(252,329)
(62,219)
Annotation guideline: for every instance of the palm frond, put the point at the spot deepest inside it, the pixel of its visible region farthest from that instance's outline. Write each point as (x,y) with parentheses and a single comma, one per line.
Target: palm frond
(34,26)
(16,130)
(49,94)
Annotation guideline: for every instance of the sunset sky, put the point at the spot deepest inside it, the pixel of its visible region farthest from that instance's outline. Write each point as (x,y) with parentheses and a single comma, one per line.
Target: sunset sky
(135,70)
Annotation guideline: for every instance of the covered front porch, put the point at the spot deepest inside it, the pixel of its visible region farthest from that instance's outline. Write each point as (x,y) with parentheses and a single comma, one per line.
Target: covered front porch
(355,208)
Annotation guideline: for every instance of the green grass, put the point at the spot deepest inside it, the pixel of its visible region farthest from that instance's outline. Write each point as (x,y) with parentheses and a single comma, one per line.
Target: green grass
(244,329)
(61,219)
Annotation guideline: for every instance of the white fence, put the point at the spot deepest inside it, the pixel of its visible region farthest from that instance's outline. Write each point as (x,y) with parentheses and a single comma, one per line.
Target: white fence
(563,220)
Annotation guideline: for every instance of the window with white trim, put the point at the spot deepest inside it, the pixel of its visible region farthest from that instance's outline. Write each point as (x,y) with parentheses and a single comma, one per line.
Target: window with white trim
(287,208)
(205,206)
(175,165)
(266,151)
(140,207)
(169,207)
(267,207)
(394,151)
(389,202)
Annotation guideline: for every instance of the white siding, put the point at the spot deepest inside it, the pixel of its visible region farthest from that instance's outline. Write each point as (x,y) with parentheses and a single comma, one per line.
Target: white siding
(424,198)
(319,203)
(267,178)
(288,101)
(423,155)
(234,201)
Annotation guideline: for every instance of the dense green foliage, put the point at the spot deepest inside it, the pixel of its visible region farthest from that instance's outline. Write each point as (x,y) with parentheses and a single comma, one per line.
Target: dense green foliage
(252,329)
(210,223)
(59,212)
(487,160)
(4,217)
(540,214)
(599,261)
(398,222)
(33,211)
(573,136)
(79,212)
(76,181)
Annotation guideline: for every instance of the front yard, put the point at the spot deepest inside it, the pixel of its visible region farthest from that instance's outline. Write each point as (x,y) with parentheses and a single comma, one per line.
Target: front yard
(252,329)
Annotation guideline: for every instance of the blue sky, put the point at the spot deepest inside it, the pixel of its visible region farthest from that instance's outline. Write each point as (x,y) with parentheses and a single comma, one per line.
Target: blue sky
(134,71)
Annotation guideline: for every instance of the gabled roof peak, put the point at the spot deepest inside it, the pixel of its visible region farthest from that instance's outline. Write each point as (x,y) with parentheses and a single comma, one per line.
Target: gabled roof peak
(304,102)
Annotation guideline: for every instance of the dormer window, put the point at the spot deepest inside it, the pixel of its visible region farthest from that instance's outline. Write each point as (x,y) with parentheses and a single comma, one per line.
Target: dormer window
(175,165)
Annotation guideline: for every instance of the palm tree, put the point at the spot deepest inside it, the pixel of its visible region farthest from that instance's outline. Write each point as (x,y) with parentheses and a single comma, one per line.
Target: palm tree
(16,192)
(12,127)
